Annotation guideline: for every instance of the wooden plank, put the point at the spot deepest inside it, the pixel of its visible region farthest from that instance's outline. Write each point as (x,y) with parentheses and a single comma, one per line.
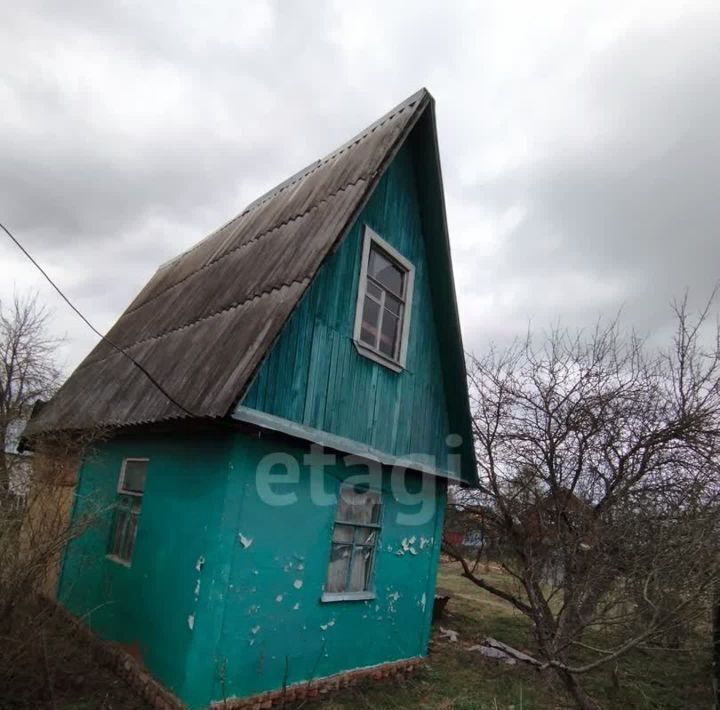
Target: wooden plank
(346,394)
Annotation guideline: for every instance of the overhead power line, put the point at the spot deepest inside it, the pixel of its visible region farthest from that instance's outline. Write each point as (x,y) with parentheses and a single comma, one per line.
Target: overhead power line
(92,327)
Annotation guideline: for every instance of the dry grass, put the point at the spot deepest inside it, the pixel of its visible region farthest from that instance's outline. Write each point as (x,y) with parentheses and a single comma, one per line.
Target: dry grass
(59,672)
(458,679)
(455,678)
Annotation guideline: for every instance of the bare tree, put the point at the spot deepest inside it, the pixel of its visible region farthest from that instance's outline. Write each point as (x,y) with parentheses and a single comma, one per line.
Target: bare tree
(27,371)
(599,483)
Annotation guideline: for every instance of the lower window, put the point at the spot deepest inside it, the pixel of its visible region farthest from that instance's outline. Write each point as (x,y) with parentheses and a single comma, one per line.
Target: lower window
(131,487)
(355,535)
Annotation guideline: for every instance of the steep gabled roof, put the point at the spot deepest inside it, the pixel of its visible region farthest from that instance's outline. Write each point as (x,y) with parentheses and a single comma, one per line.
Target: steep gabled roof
(206,319)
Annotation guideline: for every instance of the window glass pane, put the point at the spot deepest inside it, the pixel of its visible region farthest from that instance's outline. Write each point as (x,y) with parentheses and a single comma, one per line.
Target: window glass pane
(393,304)
(389,334)
(125,527)
(370,319)
(384,271)
(343,533)
(365,536)
(134,476)
(130,535)
(338,568)
(374,290)
(358,506)
(360,572)
(118,531)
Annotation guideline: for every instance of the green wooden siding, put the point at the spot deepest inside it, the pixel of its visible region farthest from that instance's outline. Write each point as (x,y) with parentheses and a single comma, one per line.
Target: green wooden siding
(315,376)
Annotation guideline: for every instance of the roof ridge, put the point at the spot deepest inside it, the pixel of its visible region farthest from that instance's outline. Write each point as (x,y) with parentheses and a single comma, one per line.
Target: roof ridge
(311,167)
(267,232)
(307,170)
(232,306)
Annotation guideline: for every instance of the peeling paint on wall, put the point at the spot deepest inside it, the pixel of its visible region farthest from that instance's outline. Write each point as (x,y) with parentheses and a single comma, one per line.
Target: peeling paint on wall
(392,600)
(279,598)
(200,563)
(191,621)
(298,583)
(245,541)
(407,546)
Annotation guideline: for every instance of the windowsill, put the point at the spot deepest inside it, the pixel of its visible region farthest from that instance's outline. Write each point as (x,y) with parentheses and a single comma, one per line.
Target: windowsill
(347,596)
(117,560)
(371,354)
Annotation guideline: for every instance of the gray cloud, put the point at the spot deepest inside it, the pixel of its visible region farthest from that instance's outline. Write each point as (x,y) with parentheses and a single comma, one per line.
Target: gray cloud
(579,145)
(627,214)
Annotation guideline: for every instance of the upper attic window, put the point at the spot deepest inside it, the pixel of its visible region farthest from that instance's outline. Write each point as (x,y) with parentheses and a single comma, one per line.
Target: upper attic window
(382,317)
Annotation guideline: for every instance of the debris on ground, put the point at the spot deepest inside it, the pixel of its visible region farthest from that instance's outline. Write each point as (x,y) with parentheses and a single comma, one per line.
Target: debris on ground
(491,648)
(449,634)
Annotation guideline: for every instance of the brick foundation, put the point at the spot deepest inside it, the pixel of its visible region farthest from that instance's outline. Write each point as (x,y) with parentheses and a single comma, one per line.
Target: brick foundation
(130,669)
(321,686)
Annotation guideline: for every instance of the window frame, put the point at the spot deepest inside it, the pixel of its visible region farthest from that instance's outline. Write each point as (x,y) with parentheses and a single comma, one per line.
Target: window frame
(370,239)
(368,593)
(122,492)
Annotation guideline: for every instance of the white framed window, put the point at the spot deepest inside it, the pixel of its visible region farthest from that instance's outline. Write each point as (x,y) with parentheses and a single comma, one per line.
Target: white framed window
(382,314)
(131,487)
(358,521)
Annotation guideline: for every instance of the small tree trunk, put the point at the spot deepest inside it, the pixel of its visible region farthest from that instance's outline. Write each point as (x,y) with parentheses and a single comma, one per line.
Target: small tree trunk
(4,472)
(581,698)
(716,649)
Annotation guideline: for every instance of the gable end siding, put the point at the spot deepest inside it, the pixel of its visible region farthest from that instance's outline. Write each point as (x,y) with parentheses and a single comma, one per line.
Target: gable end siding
(315,376)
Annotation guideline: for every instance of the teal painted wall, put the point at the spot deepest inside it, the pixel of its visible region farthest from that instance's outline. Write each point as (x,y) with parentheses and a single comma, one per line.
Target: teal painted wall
(148,604)
(275,627)
(315,376)
(254,625)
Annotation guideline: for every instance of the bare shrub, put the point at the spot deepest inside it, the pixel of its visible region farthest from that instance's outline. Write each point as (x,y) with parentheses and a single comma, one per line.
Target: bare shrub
(30,556)
(36,498)
(599,488)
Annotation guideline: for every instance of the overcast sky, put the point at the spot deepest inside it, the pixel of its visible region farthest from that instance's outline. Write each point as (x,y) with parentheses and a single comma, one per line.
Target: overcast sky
(580,142)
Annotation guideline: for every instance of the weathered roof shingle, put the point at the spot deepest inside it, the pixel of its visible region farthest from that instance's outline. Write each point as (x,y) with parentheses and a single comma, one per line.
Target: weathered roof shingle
(206,319)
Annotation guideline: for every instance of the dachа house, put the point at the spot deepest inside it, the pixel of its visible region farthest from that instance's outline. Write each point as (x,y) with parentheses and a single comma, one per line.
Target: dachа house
(274,510)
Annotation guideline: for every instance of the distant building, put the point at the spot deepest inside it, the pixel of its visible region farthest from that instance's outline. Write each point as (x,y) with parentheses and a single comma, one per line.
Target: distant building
(19,473)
